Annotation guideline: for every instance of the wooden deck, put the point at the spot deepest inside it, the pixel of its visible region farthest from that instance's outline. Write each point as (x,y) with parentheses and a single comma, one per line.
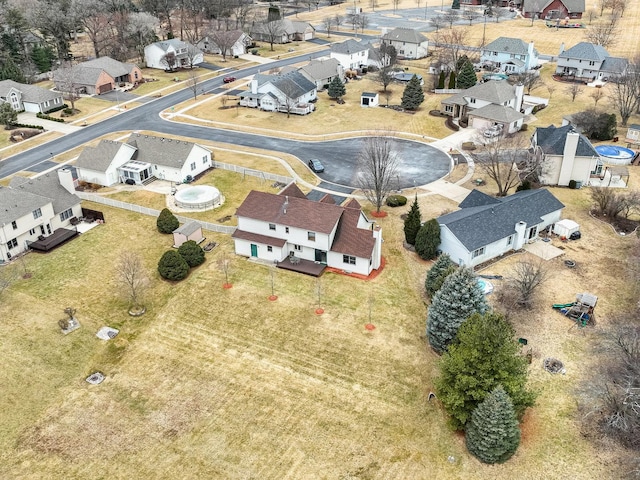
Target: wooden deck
(57,238)
(303,266)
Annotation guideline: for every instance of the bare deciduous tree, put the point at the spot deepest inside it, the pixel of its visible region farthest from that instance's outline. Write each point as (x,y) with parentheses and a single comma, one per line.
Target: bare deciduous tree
(597,95)
(524,280)
(437,22)
(169,61)
(327,23)
(450,16)
(338,20)
(530,80)
(574,90)
(378,167)
(450,47)
(193,82)
(273,31)
(7,276)
(604,32)
(67,83)
(613,203)
(224,40)
(131,276)
(624,93)
(470,14)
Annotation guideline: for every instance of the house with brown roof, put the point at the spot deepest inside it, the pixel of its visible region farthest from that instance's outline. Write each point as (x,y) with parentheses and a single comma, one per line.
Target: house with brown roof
(287,226)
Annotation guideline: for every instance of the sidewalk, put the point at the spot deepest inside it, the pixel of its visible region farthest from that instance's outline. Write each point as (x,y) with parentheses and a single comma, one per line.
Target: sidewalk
(29,118)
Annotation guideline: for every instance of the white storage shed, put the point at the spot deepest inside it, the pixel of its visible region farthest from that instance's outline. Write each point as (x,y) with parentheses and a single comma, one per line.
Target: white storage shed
(565,228)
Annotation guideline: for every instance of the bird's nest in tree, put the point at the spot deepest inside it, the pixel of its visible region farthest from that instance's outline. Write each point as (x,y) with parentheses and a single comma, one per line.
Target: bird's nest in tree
(553,365)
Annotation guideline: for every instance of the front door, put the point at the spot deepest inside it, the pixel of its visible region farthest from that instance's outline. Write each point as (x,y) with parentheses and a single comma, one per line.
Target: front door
(321,256)
(254,250)
(533,232)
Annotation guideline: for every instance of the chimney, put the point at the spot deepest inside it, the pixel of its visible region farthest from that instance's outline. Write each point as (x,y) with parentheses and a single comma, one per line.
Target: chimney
(561,48)
(66,179)
(519,96)
(254,86)
(286,204)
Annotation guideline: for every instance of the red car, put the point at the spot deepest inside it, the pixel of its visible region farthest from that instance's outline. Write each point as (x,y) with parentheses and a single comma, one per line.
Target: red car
(229,79)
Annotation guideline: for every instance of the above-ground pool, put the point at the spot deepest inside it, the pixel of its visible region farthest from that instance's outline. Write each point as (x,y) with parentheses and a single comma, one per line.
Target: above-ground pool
(615,154)
(198,197)
(485,285)
(494,76)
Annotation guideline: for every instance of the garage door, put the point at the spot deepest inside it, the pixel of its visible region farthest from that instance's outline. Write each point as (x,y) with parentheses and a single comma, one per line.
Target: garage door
(104,88)
(481,123)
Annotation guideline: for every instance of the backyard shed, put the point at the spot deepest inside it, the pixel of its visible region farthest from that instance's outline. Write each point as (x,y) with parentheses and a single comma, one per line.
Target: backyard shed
(369,99)
(565,227)
(188,231)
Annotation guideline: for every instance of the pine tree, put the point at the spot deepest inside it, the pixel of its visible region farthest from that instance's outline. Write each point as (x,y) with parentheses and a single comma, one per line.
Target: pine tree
(467,77)
(455,5)
(458,298)
(484,355)
(452,80)
(441,79)
(8,116)
(336,88)
(413,95)
(439,271)
(167,221)
(461,61)
(428,240)
(493,434)
(11,71)
(412,223)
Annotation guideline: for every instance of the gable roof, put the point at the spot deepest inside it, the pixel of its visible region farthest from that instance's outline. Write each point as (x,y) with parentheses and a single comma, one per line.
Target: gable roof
(477,199)
(614,65)
(15,204)
(292,190)
(188,228)
(320,69)
(408,35)
(111,66)
(351,240)
(176,43)
(348,47)
(552,139)
(288,27)
(536,6)
(509,45)
(493,91)
(478,226)
(161,151)
(47,185)
(81,75)
(292,84)
(99,158)
(30,93)
(497,113)
(353,203)
(586,51)
(234,35)
(327,198)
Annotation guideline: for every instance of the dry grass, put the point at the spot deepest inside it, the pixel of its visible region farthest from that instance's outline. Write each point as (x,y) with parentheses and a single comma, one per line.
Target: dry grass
(40,139)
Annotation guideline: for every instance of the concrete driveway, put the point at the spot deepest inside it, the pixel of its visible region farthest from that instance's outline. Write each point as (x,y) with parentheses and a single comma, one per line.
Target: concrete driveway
(30,119)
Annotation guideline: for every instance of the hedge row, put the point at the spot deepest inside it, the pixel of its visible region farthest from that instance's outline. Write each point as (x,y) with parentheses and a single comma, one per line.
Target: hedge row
(48,117)
(57,109)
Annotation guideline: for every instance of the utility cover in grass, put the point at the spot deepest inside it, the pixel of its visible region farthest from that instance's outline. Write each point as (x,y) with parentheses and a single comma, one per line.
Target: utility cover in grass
(95,378)
(71,325)
(107,333)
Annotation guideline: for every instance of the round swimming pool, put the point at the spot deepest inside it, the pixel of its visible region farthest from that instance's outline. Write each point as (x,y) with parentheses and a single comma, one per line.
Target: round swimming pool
(485,285)
(615,154)
(198,197)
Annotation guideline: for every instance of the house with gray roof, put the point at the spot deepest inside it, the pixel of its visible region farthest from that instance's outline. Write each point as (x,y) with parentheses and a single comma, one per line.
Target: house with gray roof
(587,61)
(510,55)
(351,54)
(408,42)
(236,43)
(96,76)
(290,92)
(487,104)
(142,159)
(553,9)
(183,54)
(285,226)
(564,155)
(320,71)
(33,209)
(486,227)
(282,31)
(29,98)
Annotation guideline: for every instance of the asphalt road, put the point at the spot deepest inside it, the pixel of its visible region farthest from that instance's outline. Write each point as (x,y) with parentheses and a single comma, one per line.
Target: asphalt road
(419,163)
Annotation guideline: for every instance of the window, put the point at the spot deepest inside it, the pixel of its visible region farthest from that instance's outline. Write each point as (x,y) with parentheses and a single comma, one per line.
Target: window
(297,248)
(349,259)
(478,252)
(472,100)
(13,243)
(272,226)
(510,240)
(311,236)
(592,63)
(269,248)
(14,225)
(37,213)
(32,231)
(286,229)
(193,166)
(204,159)
(48,229)
(66,214)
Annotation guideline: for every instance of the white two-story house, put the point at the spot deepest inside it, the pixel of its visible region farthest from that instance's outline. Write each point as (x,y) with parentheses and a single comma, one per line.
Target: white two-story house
(186,54)
(290,92)
(511,55)
(409,43)
(278,227)
(351,54)
(587,61)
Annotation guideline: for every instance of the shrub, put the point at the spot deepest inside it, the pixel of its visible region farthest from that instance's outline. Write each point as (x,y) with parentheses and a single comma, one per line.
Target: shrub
(49,117)
(468,146)
(57,109)
(573,184)
(396,201)
(524,127)
(172,266)
(428,239)
(192,253)
(525,185)
(167,221)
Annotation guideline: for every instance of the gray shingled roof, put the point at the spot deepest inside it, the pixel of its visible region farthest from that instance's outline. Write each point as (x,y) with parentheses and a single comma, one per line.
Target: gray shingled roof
(614,65)
(494,91)
(292,84)
(552,139)
(477,199)
(30,93)
(188,228)
(173,42)
(320,69)
(15,204)
(99,158)
(349,47)
(476,227)
(47,185)
(81,75)
(586,51)
(508,45)
(408,35)
(109,65)
(572,6)
(161,151)
(497,113)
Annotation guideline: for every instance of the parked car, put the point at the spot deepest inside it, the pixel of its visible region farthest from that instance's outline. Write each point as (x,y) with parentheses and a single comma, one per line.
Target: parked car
(494,131)
(316,166)
(229,79)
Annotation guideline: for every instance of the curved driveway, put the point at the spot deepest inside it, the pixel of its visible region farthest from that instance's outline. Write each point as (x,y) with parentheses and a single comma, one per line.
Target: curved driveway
(419,163)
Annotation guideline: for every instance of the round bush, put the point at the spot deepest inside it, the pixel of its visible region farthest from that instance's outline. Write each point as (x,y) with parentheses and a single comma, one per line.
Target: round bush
(192,253)
(396,201)
(167,221)
(172,266)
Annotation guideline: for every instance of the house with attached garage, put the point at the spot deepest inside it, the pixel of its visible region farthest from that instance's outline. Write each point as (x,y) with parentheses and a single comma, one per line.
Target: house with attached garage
(96,76)
(351,54)
(320,71)
(486,227)
(590,62)
(553,9)
(290,92)
(37,210)
(564,155)
(29,98)
(409,43)
(186,54)
(510,55)
(282,31)
(290,230)
(237,40)
(142,159)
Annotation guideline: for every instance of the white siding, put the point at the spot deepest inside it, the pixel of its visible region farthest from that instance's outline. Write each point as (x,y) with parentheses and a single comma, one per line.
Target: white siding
(336,260)
(450,245)
(21,233)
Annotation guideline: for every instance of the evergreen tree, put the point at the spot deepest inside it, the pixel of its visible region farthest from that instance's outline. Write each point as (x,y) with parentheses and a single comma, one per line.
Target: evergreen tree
(461,61)
(467,77)
(439,271)
(441,79)
(11,71)
(192,253)
(428,240)
(167,221)
(485,355)
(413,95)
(412,222)
(455,5)
(493,434)
(452,80)
(459,297)
(43,58)
(172,266)
(8,116)
(336,88)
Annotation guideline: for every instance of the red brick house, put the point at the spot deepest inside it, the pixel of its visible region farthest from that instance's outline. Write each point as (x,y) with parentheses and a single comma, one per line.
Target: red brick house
(553,9)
